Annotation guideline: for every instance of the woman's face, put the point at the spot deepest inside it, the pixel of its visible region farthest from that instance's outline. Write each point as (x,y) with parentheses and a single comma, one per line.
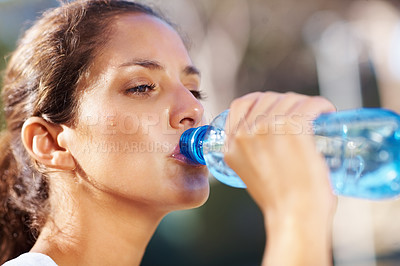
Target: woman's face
(139,96)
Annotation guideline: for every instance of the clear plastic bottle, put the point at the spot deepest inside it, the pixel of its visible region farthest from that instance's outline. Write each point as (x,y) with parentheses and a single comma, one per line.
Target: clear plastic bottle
(361,148)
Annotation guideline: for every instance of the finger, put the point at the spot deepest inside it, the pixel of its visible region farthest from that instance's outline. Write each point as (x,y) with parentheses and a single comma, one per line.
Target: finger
(266,102)
(239,110)
(314,105)
(259,111)
(308,110)
(288,101)
(271,110)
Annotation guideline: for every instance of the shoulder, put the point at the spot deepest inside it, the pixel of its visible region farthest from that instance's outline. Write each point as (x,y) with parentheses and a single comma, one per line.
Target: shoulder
(31,259)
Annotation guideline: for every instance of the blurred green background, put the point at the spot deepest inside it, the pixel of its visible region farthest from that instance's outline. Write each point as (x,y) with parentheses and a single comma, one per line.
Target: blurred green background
(347,51)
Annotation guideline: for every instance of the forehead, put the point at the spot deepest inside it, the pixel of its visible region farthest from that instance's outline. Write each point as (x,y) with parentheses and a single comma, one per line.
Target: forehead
(135,37)
(144,36)
(139,23)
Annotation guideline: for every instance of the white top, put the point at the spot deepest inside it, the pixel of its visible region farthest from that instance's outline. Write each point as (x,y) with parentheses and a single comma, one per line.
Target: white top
(31,259)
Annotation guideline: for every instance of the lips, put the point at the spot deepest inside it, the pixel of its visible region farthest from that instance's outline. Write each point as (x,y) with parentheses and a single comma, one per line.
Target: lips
(177,155)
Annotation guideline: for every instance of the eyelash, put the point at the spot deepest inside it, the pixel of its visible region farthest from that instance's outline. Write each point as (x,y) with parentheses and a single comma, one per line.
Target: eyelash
(141,91)
(199,95)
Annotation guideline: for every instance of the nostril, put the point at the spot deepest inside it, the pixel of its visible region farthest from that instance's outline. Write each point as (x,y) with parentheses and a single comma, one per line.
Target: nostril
(185,114)
(187,122)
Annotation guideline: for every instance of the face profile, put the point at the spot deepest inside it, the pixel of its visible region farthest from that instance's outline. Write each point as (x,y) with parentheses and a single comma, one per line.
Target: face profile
(131,92)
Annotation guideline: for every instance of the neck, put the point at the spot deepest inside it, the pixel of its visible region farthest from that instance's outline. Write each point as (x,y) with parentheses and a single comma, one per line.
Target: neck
(101,230)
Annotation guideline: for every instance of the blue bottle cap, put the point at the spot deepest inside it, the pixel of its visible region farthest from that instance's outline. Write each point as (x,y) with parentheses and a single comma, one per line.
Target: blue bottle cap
(191,144)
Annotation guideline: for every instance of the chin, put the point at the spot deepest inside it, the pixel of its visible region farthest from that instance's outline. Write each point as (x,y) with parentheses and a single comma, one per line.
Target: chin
(188,185)
(193,200)
(194,192)
(199,197)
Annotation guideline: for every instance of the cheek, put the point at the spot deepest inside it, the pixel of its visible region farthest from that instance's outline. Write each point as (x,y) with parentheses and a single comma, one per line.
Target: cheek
(115,131)
(117,150)
(120,164)
(128,155)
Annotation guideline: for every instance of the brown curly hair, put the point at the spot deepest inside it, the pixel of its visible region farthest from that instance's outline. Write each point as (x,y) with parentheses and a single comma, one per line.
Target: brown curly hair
(41,79)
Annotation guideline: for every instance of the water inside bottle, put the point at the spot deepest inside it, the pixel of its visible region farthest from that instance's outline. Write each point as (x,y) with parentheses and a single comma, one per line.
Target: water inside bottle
(363,157)
(213,149)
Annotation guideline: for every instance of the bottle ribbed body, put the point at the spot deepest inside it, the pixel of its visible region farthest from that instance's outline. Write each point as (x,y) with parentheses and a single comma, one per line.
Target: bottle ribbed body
(361,148)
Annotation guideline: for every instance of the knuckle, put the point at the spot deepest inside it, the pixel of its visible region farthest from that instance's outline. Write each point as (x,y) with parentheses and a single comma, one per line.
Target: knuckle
(274,95)
(261,126)
(270,94)
(295,97)
(292,94)
(245,100)
(321,103)
(235,103)
(251,96)
(324,103)
(269,97)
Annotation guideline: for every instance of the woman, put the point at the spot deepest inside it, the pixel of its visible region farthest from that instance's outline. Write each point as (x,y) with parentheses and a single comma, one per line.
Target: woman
(90,160)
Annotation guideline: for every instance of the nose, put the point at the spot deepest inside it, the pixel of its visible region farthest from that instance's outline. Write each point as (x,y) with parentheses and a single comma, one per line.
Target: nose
(186,111)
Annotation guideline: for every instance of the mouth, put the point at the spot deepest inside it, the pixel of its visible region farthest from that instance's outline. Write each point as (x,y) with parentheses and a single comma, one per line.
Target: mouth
(178,156)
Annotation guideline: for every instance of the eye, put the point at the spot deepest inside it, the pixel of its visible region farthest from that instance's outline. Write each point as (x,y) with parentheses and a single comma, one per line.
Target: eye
(143,89)
(200,95)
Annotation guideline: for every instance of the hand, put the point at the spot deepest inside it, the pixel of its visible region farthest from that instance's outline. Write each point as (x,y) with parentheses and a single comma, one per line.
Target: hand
(270,145)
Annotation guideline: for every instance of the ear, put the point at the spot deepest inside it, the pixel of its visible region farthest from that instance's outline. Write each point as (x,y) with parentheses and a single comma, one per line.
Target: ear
(40,139)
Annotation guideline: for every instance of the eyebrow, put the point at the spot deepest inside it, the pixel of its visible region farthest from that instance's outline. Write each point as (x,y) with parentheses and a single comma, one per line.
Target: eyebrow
(154,65)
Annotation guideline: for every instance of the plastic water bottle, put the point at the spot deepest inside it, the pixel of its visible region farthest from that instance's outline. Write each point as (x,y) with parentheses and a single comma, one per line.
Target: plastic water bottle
(361,148)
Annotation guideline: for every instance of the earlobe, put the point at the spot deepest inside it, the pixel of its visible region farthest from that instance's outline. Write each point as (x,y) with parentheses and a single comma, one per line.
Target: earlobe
(40,139)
